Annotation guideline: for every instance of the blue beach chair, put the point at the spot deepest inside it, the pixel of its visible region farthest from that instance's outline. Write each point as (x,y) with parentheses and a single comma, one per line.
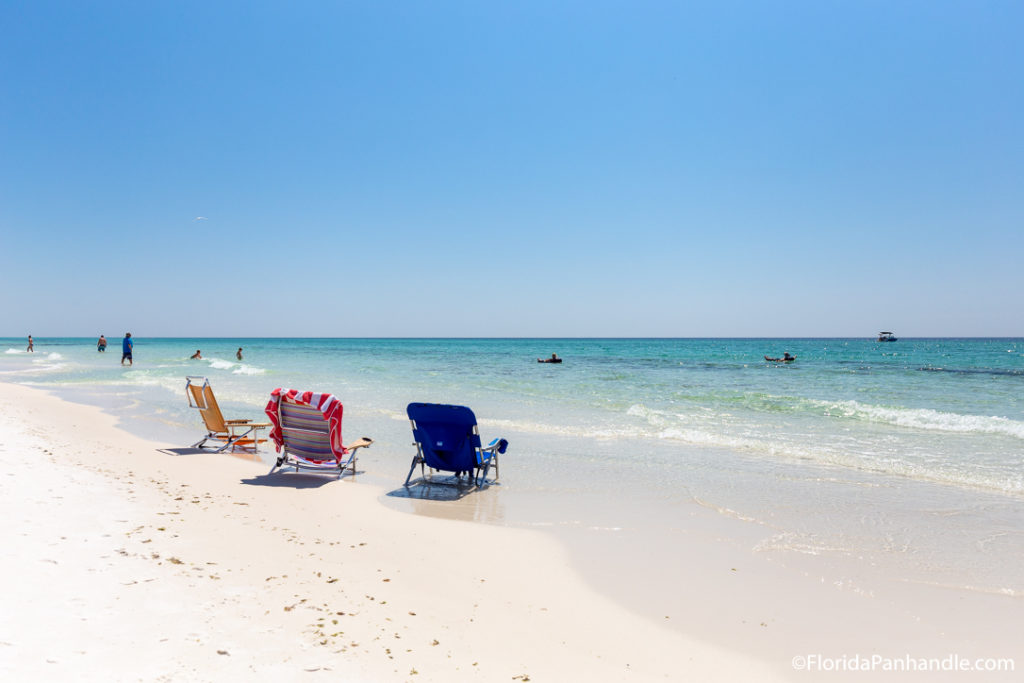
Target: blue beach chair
(447,439)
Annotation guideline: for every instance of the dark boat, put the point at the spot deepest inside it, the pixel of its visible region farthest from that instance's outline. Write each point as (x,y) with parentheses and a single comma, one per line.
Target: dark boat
(886,336)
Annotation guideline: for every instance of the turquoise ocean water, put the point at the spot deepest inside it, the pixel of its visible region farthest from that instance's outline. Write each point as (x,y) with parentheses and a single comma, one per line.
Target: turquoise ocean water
(909,454)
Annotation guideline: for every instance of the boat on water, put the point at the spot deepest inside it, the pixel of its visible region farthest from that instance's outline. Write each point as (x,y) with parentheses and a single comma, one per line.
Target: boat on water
(886,336)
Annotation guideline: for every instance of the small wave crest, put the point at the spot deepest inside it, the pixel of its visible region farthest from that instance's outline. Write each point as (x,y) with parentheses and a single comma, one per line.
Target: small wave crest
(924,418)
(43,365)
(578,431)
(40,358)
(639,410)
(998,372)
(798,543)
(643,412)
(741,438)
(235,368)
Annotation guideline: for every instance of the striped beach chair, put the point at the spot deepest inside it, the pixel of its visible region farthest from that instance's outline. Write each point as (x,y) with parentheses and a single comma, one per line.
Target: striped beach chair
(307,433)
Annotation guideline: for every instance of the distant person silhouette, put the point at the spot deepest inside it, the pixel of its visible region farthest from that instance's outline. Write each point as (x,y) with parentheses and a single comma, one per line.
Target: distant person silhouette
(126,348)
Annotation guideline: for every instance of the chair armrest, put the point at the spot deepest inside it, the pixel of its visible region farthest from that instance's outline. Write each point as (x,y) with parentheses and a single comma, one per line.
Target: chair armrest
(248,425)
(361,443)
(493,449)
(496,446)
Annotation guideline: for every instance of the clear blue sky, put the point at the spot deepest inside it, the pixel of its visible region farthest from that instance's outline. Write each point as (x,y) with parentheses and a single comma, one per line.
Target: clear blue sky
(511,169)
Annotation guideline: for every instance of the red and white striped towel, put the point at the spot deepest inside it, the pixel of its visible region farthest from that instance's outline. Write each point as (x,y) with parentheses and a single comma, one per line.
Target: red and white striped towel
(325,403)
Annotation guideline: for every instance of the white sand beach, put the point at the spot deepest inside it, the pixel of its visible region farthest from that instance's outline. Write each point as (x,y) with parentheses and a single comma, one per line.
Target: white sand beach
(125,561)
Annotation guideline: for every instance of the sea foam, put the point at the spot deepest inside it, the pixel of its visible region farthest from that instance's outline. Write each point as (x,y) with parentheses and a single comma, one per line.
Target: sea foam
(235,368)
(924,418)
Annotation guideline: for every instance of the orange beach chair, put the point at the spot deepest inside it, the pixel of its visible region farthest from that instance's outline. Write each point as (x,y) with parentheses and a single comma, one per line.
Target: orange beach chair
(231,435)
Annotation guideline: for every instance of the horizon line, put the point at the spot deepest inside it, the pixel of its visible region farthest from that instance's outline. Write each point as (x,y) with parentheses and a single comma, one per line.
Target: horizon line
(870,337)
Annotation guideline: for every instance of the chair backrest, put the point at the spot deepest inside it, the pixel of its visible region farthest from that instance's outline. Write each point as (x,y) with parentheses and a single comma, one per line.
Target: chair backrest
(305,432)
(200,395)
(447,435)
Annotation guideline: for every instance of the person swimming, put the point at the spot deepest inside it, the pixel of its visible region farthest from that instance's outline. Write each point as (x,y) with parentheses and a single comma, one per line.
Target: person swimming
(197,355)
(554,359)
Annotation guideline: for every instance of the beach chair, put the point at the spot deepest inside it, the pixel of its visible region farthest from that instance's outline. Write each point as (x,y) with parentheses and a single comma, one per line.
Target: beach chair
(231,435)
(307,433)
(448,440)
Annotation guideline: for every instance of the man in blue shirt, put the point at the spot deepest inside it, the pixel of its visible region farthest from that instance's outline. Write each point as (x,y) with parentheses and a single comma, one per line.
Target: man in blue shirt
(126,348)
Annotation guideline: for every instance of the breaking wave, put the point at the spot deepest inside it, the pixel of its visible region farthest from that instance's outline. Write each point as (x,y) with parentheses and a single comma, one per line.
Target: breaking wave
(924,418)
(235,368)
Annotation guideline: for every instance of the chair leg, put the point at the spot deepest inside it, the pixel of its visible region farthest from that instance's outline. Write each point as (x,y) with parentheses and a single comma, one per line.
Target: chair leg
(229,444)
(409,476)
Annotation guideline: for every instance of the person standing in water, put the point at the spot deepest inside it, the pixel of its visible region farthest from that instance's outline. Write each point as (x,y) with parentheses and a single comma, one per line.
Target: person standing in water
(238,354)
(126,348)
(31,347)
(197,355)
(101,344)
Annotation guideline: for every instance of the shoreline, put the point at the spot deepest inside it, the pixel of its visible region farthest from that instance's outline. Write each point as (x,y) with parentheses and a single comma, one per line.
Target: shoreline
(132,560)
(707,589)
